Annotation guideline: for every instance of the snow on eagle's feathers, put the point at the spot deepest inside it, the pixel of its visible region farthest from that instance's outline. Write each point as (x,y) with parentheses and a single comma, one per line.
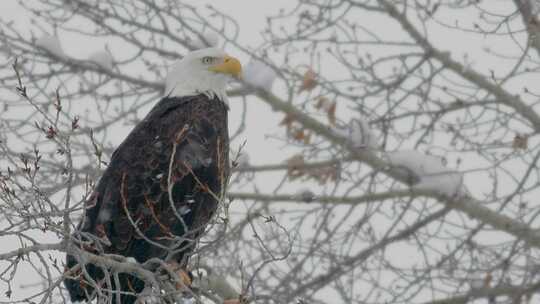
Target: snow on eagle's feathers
(161,186)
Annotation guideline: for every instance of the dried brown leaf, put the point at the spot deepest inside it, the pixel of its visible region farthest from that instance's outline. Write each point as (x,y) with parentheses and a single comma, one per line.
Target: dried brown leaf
(322,175)
(331,114)
(520,142)
(321,101)
(298,134)
(287,120)
(309,81)
(487,280)
(295,166)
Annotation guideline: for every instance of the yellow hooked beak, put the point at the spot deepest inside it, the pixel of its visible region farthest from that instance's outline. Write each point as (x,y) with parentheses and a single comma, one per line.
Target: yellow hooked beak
(230,65)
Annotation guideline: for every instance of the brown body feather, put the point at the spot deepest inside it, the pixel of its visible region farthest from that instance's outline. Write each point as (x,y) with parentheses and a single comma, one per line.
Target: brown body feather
(182,142)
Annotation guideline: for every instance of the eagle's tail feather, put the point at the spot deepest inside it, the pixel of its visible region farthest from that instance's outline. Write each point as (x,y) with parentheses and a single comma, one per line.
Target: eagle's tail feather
(79,291)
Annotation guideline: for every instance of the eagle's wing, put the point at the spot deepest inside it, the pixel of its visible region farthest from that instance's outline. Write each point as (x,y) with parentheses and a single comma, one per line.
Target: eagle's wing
(163,180)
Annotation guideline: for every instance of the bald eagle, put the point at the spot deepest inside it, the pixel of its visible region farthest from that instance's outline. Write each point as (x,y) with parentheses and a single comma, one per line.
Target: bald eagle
(163,183)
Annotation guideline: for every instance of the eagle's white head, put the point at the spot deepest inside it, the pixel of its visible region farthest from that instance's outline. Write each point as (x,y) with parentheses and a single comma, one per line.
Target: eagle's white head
(205,71)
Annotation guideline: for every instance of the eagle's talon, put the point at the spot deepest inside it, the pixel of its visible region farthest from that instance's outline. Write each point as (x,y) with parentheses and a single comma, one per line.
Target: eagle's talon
(184,275)
(185,279)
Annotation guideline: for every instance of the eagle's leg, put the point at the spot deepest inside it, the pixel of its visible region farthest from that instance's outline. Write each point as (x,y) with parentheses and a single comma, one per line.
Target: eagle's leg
(183,274)
(186,280)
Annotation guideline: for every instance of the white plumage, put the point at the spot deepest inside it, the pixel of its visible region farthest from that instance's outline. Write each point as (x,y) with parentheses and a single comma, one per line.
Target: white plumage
(189,76)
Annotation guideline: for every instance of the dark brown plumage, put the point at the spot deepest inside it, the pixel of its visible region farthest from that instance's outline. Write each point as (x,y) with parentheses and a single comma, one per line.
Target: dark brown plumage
(186,134)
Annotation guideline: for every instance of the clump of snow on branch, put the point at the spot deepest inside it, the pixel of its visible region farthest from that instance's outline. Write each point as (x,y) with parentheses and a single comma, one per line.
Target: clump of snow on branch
(188,300)
(209,39)
(51,44)
(259,74)
(433,174)
(103,59)
(358,133)
(131,260)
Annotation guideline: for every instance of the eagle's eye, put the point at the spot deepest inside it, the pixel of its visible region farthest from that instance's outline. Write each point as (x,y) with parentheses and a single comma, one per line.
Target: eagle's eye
(207,60)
